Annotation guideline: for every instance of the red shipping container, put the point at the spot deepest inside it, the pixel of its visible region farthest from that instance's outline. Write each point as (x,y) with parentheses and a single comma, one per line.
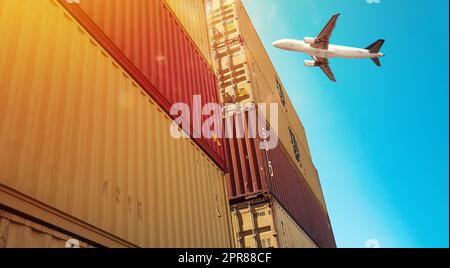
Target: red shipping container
(146,39)
(247,174)
(255,171)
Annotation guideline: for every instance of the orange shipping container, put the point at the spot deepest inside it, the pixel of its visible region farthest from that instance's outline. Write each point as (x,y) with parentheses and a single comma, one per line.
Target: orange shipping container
(84,148)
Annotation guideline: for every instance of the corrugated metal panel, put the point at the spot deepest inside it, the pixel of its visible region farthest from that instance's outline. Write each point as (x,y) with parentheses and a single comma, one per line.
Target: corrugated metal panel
(246,75)
(289,234)
(148,42)
(18,232)
(267,225)
(192,15)
(247,174)
(77,133)
(291,190)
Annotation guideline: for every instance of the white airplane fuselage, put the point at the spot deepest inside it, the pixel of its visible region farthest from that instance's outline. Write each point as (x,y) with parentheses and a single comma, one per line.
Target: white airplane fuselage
(333,51)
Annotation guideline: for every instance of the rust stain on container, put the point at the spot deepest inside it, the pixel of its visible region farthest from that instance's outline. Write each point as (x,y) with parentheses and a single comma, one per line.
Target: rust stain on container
(79,135)
(148,42)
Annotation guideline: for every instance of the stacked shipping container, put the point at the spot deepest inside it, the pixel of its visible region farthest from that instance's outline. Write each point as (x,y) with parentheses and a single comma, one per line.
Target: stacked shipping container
(256,173)
(285,174)
(267,88)
(84,130)
(85,140)
(150,44)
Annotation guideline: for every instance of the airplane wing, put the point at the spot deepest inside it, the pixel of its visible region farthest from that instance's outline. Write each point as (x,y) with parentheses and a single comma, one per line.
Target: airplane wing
(323,39)
(327,70)
(323,64)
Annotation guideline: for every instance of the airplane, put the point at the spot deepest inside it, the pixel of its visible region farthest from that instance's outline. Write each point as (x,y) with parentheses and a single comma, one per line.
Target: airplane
(321,50)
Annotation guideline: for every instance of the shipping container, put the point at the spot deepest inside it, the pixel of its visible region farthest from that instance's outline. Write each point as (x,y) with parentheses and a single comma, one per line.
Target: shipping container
(247,175)
(253,225)
(246,75)
(192,16)
(19,232)
(266,225)
(257,172)
(149,43)
(85,148)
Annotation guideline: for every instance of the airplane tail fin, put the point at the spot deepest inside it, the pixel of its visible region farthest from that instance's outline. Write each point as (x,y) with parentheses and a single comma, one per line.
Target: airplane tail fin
(376,47)
(377,61)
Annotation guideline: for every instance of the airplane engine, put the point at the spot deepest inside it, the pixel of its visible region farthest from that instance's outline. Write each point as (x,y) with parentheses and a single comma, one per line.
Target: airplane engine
(311,63)
(310,40)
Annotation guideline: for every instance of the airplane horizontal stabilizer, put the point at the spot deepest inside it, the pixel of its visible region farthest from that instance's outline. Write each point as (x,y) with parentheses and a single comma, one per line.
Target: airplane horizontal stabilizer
(377,61)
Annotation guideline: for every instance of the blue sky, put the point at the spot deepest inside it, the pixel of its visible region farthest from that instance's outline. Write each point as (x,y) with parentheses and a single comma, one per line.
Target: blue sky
(379,137)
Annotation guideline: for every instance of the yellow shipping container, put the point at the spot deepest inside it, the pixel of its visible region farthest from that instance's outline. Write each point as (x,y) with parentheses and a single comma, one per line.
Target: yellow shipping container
(84,148)
(246,74)
(192,15)
(267,225)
